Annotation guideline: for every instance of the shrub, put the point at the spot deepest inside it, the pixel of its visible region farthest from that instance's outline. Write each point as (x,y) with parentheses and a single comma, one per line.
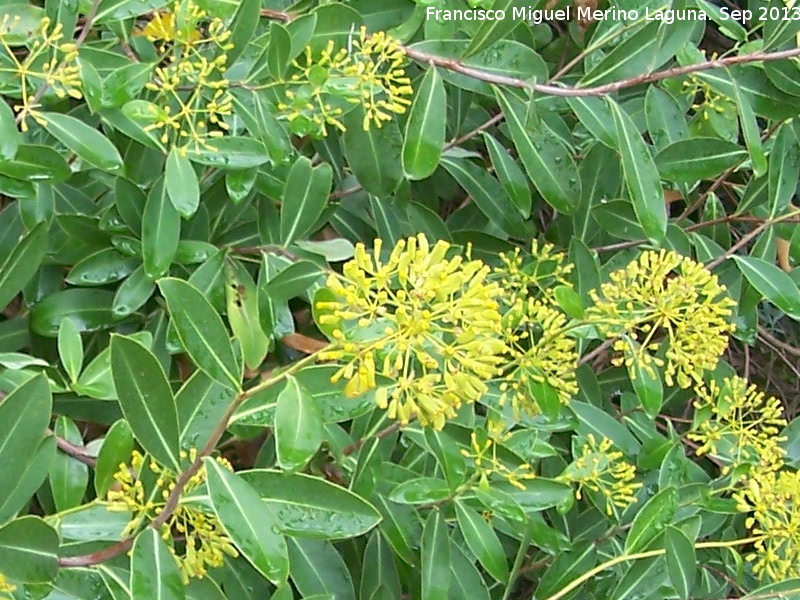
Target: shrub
(353,300)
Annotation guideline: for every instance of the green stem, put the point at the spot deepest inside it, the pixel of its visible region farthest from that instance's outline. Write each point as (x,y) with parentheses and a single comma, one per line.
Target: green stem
(640,555)
(521,553)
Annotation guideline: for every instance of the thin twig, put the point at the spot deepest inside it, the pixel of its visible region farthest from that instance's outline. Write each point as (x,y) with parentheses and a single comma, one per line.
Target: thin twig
(77,452)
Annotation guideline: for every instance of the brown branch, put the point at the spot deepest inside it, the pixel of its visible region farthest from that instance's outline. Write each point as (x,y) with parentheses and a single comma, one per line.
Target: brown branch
(87,560)
(383,433)
(457,66)
(771,339)
(77,452)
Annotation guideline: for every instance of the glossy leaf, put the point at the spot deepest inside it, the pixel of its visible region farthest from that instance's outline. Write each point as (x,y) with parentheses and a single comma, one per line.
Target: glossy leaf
(641,176)
(146,399)
(36,164)
(545,158)
(772,283)
(482,541)
(242,308)
(317,569)
(181,182)
(681,561)
(253,529)
(425,128)
(88,143)
(510,175)
(116,449)
(307,506)
(374,155)
(68,476)
(697,158)
(29,550)
(784,169)
(161,230)
(229,153)
(134,292)
(20,264)
(298,426)
(201,331)
(10,137)
(435,557)
(305,197)
(154,571)
(651,519)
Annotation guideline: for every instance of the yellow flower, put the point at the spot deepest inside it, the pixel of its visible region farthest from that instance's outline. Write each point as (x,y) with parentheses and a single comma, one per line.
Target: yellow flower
(670,302)
(599,469)
(371,74)
(6,587)
(773,501)
(205,544)
(739,424)
(428,322)
(483,453)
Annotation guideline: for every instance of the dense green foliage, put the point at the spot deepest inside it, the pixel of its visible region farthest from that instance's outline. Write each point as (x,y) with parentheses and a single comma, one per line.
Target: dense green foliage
(352,300)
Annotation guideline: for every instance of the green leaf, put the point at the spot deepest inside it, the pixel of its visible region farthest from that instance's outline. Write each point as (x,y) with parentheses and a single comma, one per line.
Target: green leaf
(772,283)
(510,175)
(565,568)
(10,137)
(641,176)
(374,155)
(133,293)
(201,331)
(595,115)
(681,561)
(783,170)
(466,580)
(648,388)
(21,480)
(146,399)
(161,231)
(229,153)
(89,144)
(242,28)
(68,476)
(19,19)
(435,557)
(253,529)
(298,426)
(242,304)
(89,309)
(425,128)
(488,195)
(29,550)
(318,569)
(379,569)
(651,519)
(293,281)
(180,179)
(18,266)
(482,541)
(697,158)
(202,403)
(304,198)
(420,490)
(103,267)
(601,424)
(38,164)
(666,122)
(306,506)
(545,158)
(24,416)
(752,136)
(116,449)
(154,570)
(492,30)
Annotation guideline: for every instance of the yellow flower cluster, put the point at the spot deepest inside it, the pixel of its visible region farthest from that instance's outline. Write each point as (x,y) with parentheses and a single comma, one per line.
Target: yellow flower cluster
(665,299)
(599,469)
(706,99)
(370,75)
(483,453)
(428,322)
(773,500)
(535,329)
(49,62)
(205,542)
(191,92)
(740,424)
(6,587)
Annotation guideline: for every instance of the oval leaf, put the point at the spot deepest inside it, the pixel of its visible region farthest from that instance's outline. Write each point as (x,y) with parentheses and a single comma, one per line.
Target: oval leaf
(154,571)
(88,143)
(252,529)
(298,426)
(183,188)
(772,283)
(146,399)
(425,128)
